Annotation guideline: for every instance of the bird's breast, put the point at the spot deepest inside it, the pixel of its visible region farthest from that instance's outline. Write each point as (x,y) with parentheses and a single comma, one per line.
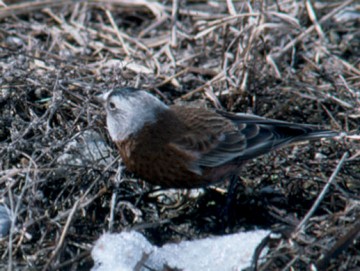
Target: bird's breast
(125,148)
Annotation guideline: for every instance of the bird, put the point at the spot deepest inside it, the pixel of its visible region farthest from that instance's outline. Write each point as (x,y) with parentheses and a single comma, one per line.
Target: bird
(176,146)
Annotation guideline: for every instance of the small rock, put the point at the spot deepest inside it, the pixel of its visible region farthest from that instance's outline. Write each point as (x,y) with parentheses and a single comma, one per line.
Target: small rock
(5,221)
(320,156)
(89,147)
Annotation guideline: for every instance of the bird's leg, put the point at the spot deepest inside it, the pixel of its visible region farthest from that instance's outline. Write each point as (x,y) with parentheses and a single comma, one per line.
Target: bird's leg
(231,195)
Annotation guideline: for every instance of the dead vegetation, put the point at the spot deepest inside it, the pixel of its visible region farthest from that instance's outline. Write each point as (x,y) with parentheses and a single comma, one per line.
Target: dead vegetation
(59,173)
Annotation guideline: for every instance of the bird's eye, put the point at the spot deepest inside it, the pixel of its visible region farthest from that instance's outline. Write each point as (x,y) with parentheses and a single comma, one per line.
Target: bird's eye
(112,106)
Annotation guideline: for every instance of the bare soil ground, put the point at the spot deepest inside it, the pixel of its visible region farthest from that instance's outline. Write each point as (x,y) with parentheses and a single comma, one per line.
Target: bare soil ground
(297,61)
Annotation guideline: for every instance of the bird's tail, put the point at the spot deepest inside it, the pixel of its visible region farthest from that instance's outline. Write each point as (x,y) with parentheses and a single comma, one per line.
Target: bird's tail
(316,134)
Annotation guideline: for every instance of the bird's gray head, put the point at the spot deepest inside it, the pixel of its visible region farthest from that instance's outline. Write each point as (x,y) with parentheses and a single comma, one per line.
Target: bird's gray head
(128,110)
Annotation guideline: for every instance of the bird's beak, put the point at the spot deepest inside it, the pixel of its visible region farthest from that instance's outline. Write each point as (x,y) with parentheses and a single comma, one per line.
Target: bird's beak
(101,98)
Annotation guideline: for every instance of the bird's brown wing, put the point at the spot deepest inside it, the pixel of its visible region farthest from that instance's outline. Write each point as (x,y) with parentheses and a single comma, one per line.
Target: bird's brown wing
(216,138)
(210,138)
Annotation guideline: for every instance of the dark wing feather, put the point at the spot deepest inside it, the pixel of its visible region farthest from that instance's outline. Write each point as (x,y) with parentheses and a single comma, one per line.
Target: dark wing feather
(216,138)
(264,135)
